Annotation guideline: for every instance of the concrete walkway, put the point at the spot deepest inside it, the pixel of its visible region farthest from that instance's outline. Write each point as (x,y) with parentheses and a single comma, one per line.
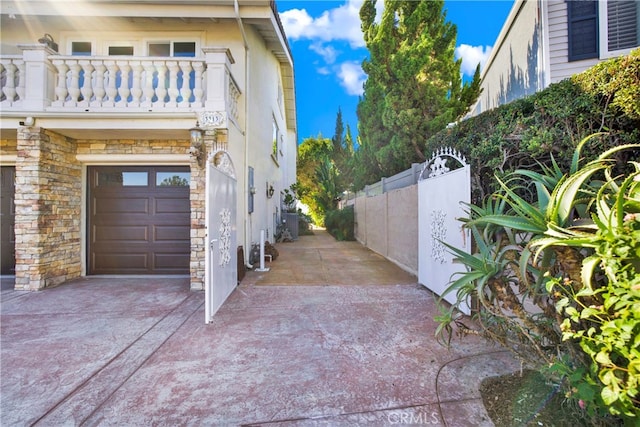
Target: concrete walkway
(340,348)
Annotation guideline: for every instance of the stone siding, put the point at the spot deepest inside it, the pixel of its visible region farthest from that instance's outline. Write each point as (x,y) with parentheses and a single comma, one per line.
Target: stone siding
(8,147)
(49,201)
(213,140)
(132,146)
(48,210)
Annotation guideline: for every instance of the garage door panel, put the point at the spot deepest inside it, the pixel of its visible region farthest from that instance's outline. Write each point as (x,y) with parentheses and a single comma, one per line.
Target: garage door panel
(170,233)
(139,229)
(7,220)
(120,233)
(114,205)
(170,262)
(170,205)
(107,263)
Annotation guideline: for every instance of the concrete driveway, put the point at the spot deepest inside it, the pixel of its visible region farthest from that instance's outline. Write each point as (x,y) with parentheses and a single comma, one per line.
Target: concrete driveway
(345,348)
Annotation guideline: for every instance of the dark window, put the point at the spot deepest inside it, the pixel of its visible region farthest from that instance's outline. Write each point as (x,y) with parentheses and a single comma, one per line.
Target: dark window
(583,29)
(122,179)
(622,22)
(121,50)
(159,49)
(180,49)
(81,48)
(184,49)
(172,179)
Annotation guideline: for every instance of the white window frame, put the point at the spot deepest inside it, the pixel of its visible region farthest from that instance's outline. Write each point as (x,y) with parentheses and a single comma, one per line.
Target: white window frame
(171,46)
(120,43)
(603,28)
(277,138)
(100,42)
(70,42)
(193,37)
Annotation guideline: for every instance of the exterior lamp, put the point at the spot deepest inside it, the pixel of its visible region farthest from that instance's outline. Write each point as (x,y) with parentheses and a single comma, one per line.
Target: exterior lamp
(197,147)
(270,191)
(48,40)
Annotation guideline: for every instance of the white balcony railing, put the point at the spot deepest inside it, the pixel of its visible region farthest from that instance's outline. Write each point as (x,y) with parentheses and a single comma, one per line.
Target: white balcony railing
(72,83)
(107,82)
(13,83)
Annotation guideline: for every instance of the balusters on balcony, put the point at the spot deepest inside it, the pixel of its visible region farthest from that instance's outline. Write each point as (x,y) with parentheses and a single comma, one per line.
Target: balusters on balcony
(148,90)
(11,70)
(173,83)
(136,86)
(185,89)
(112,90)
(161,90)
(98,83)
(99,91)
(232,100)
(74,84)
(20,87)
(87,85)
(61,86)
(124,89)
(198,92)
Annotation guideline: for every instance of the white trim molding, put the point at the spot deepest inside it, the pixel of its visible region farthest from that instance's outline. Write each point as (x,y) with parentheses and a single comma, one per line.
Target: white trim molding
(146,159)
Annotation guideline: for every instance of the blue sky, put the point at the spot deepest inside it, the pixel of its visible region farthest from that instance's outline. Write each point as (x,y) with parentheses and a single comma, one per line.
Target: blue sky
(328,49)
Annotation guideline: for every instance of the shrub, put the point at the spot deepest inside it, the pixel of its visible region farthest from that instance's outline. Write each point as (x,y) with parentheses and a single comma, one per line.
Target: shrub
(304,225)
(527,133)
(557,277)
(340,223)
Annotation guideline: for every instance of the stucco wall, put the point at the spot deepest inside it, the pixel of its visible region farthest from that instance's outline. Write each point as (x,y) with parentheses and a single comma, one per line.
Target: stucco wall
(266,106)
(376,218)
(402,228)
(388,225)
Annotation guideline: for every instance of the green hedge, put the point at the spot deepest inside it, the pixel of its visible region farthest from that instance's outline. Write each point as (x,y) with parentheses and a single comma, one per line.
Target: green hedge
(340,223)
(529,131)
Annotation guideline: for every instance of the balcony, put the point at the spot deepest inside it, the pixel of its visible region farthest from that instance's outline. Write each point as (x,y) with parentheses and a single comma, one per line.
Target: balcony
(41,81)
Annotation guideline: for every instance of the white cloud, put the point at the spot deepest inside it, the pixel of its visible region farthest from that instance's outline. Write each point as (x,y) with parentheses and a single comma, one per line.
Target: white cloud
(296,23)
(340,23)
(352,77)
(328,52)
(471,57)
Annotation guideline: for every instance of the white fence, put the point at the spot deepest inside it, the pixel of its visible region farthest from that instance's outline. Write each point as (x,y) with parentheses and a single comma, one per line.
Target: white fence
(403,218)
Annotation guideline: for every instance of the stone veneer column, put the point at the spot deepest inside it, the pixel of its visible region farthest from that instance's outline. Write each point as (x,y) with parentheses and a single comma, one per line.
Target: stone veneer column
(214,139)
(48,210)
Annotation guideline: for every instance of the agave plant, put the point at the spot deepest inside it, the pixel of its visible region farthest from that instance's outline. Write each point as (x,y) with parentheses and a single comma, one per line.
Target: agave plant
(545,272)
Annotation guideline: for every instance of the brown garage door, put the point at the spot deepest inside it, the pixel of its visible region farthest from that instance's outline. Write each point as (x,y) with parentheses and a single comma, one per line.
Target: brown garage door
(139,220)
(8,220)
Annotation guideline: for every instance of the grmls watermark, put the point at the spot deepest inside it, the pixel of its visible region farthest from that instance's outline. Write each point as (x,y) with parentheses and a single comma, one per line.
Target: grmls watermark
(410,417)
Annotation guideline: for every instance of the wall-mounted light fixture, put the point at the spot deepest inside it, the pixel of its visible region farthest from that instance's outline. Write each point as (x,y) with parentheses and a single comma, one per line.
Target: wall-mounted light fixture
(28,121)
(48,40)
(197,149)
(270,191)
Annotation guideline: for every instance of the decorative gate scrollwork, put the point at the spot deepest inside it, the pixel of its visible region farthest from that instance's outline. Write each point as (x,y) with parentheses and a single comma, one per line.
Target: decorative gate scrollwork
(221,270)
(444,186)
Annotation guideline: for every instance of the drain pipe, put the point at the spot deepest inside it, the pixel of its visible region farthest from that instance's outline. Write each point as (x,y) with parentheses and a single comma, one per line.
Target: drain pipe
(247,220)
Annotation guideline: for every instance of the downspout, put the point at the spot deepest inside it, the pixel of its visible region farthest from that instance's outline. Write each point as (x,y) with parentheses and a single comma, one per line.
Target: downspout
(247,217)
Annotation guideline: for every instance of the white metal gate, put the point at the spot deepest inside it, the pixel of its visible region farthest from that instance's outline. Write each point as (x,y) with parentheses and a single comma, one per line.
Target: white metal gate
(221,270)
(441,194)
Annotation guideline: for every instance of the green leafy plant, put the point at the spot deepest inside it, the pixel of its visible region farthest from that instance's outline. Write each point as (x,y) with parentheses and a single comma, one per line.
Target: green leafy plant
(601,310)
(340,223)
(556,275)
